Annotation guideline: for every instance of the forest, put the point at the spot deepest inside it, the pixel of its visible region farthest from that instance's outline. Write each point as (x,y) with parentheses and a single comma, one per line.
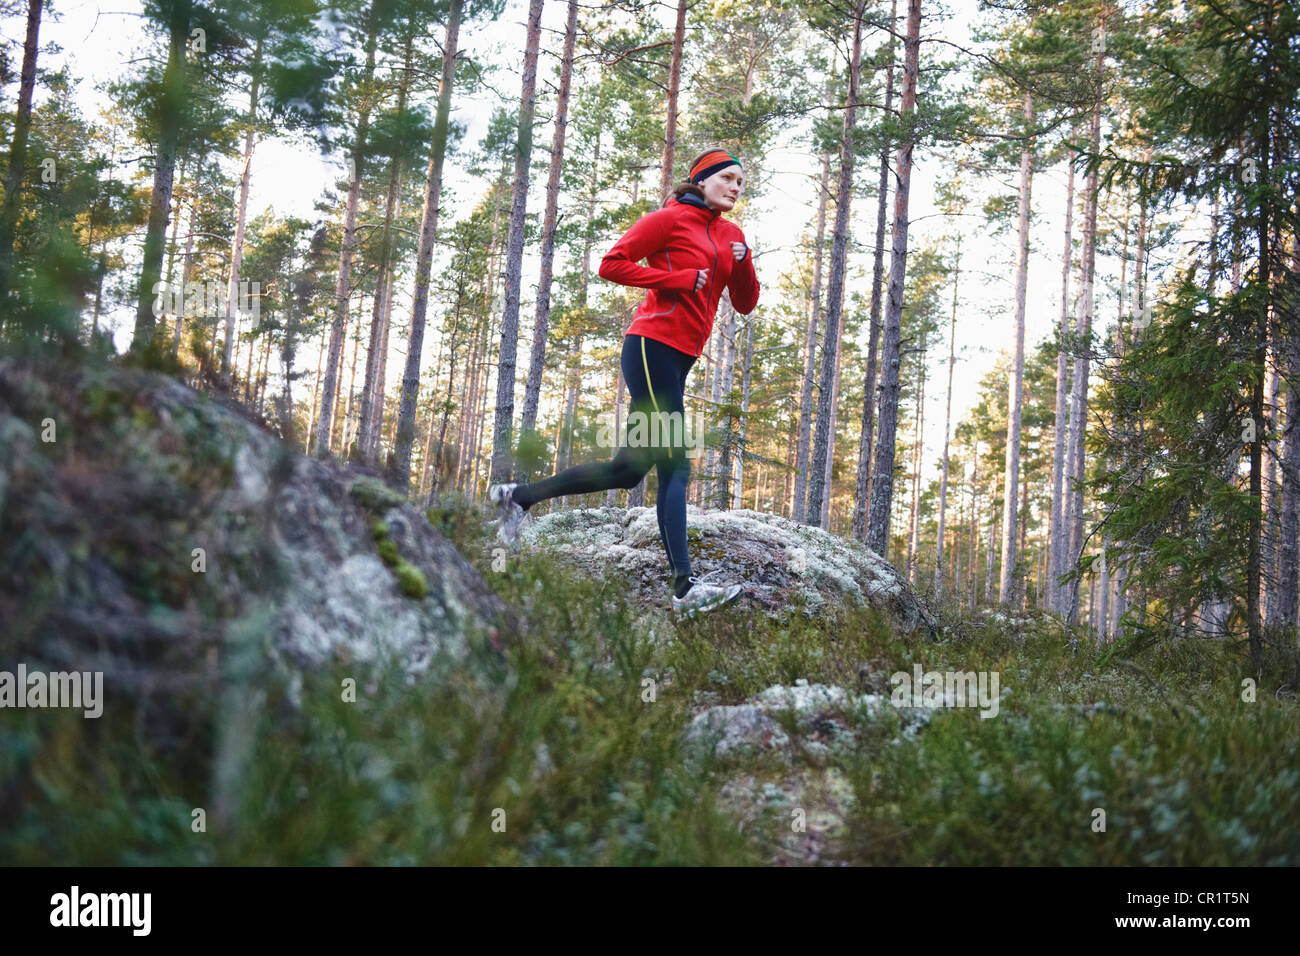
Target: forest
(1027,351)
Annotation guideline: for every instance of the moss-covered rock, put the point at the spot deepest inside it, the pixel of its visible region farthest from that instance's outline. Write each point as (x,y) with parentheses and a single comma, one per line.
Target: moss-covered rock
(782,564)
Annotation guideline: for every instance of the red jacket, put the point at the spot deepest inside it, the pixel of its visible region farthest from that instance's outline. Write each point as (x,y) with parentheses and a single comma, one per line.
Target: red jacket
(678,240)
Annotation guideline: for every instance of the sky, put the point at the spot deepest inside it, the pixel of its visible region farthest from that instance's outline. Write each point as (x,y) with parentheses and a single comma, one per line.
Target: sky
(100,38)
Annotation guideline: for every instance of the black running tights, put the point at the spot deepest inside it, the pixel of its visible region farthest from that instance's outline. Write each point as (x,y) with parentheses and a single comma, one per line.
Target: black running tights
(655,374)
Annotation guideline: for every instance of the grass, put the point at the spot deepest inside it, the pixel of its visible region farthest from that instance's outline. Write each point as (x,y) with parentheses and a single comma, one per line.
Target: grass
(553,754)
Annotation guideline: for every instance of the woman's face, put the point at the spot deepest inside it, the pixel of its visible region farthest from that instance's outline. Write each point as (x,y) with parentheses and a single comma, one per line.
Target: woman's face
(722,189)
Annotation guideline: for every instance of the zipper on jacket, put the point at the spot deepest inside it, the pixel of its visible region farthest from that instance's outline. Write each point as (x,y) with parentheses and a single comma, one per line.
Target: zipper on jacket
(700,347)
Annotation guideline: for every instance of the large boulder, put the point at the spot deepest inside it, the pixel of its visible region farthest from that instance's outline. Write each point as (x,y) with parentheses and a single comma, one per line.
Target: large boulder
(781,563)
(160,527)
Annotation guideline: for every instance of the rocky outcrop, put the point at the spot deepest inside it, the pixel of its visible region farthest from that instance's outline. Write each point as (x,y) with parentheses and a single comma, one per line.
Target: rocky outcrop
(781,563)
(146,528)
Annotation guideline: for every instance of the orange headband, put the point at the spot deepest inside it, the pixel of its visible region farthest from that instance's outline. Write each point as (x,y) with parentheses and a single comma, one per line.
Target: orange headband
(710,163)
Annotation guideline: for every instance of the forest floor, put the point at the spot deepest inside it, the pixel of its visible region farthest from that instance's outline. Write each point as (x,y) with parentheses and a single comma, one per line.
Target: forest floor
(585,744)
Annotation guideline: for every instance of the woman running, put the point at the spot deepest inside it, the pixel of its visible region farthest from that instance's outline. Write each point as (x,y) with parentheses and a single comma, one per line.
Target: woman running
(693,254)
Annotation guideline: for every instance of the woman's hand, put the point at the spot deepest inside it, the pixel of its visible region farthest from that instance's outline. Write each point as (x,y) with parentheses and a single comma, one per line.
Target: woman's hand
(738,250)
(701,277)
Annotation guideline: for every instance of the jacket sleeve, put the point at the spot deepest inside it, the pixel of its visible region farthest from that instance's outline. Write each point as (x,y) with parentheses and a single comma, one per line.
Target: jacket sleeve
(743,284)
(648,235)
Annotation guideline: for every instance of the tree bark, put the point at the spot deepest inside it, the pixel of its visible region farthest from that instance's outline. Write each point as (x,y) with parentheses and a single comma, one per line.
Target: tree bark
(18,150)
(1079,391)
(169,113)
(862,483)
(399,467)
(342,291)
(882,490)
(745,383)
(537,358)
(241,210)
(1058,537)
(372,387)
(835,285)
(810,348)
(502,433)
(1015,392)
(947,430)
(674,85)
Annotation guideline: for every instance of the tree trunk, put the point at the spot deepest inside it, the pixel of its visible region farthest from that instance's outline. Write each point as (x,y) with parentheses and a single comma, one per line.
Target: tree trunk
(882,491)
(315,394)
(974,522)
(342,291)
(170,107)
(810,348)
(835,285)
(674,84)
(1083,323)
(990,553)
(187,261)
(947,430)
(399,463)
(1011,481)
(745,382)
(18,151)
(502,440)
(537,358)
(918,445)
(835,409)
(372,387)
(1058,537)
(241,210)
(862,483)
(1288,552)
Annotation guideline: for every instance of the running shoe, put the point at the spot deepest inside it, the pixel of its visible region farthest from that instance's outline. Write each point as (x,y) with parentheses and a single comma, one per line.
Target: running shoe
(705,597)
(512,515)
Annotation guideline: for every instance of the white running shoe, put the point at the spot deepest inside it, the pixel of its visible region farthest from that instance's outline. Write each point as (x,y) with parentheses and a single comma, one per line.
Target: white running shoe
(512,515)
(705,597)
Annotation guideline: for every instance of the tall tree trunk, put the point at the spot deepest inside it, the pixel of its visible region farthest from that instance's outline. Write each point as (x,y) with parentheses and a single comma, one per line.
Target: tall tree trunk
(187,261)
(835,284)
(18,151)
(1272,495)
(974,521)
(835,408)
(990,553)
(810,348)
(882,491)
(170,106)
(537,358)
(446,403)
(1288,552)
(914,513)
(745,382)
(342,291)
(722,479)
(1058,537)
(674,84)
(502,432)
(1083,323)
(315,394)
(862,483)
(947,430)
(399,463)
(241,210)
(1015,396)
(372,388)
